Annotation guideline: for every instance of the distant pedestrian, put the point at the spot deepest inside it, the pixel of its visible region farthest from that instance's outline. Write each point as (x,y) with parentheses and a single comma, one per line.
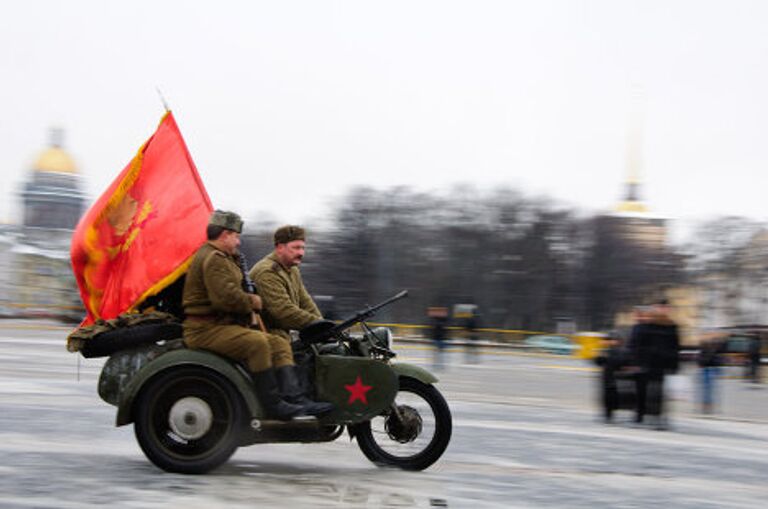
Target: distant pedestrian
(709,360)
(439,318)
(753,359)
(470,330)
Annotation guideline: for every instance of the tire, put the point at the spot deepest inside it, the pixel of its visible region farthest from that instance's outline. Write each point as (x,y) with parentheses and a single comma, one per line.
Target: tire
(187,420)
(409,449)
(113,341)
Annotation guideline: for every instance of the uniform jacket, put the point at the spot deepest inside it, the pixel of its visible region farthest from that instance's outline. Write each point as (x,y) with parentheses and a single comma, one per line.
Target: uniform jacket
(213,288)
(286,303)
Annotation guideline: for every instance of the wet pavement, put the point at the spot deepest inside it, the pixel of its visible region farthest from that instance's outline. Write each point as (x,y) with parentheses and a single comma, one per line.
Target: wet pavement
(525,435)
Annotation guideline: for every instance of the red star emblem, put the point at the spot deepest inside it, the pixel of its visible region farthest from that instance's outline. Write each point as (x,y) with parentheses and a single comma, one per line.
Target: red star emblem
(357,391)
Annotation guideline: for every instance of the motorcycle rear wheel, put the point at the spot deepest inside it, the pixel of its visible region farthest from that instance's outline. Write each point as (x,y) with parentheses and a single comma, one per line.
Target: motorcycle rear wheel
(187,420)
(417,442)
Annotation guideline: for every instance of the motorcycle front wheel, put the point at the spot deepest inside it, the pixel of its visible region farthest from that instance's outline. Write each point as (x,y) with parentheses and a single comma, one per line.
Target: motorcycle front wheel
(413,434)
(187,420)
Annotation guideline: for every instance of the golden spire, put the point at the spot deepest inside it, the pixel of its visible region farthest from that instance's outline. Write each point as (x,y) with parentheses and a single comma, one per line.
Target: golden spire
(632,201)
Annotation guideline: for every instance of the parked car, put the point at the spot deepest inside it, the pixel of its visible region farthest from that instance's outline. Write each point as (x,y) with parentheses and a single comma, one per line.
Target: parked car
(561,345)
(737,347)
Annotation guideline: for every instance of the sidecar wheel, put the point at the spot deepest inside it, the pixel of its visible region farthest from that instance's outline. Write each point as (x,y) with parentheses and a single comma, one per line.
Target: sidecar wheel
(419,440)
(187,420)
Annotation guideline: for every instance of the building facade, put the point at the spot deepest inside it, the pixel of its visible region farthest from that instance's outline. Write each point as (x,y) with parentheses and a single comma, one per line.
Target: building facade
(37,277)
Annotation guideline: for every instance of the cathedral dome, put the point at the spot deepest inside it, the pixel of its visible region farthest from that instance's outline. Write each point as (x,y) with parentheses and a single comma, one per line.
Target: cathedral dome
(55,160)
(51,195)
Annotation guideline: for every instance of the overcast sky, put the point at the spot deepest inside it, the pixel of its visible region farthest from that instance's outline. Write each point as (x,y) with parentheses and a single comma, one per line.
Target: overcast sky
(284,104)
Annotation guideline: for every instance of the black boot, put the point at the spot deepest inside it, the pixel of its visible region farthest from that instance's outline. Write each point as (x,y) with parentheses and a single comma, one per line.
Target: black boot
(291,391)
(269,397)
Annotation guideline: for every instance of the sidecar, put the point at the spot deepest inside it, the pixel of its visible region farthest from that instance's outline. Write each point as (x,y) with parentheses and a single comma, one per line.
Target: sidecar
(192,409)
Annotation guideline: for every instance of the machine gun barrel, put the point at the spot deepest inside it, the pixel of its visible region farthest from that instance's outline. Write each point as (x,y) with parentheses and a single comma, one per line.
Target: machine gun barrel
(366,313)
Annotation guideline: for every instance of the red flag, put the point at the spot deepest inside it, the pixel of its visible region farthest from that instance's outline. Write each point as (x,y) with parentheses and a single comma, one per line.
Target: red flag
(141,234)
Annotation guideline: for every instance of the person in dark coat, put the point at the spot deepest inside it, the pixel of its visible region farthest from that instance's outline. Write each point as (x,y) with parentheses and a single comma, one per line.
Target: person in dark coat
(654,346)
(612,360)
(753,359)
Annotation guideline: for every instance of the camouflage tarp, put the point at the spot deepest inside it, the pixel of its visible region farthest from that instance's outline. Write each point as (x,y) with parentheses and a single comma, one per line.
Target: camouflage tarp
(80,336)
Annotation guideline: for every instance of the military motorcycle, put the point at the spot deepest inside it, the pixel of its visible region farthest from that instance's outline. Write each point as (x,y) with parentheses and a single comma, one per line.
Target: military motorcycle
(191,409)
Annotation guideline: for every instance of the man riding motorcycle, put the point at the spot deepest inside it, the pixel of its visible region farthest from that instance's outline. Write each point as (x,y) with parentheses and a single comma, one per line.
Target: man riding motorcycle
(219,314)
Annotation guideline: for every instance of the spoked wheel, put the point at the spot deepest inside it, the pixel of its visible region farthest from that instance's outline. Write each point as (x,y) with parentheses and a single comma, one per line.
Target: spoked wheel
(411,436)
(187,420)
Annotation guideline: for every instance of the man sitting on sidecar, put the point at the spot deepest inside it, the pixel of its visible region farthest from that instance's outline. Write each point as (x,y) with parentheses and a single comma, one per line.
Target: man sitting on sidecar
(219,314)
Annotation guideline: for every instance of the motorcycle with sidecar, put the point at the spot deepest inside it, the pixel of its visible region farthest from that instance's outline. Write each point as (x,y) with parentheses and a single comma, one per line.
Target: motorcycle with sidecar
(191,409)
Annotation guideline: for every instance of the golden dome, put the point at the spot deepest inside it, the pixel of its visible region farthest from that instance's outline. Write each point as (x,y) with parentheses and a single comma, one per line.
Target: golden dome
(632,206)
(55,160)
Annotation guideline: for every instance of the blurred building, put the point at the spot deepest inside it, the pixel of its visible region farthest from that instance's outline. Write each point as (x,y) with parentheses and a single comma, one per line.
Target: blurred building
(52,197)
(36,274)
(635,254)
(7,285)
(737,294)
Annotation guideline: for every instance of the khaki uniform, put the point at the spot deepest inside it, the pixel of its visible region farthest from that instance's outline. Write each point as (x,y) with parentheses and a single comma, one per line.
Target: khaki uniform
(287,304)
(218,314)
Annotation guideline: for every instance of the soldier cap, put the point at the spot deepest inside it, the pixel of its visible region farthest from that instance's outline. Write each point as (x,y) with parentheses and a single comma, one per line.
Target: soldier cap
(227,220)
(288,233)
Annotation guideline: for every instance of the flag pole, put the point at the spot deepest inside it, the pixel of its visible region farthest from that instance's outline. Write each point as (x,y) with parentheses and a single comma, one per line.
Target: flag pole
(162,99)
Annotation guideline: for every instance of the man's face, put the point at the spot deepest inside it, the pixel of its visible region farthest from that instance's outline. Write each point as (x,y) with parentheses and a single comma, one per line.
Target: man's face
(642,315)
(290,254)
(230,241)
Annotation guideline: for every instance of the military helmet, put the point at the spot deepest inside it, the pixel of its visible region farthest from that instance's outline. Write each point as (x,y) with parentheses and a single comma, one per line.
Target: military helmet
(227,220)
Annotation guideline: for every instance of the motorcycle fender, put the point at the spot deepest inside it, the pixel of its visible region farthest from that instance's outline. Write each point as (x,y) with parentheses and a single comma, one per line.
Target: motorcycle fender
(413,371)
(360,388)
(402,370)
(176,358)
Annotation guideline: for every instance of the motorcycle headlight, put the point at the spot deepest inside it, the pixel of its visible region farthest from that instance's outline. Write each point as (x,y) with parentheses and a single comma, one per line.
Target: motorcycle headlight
(382,337)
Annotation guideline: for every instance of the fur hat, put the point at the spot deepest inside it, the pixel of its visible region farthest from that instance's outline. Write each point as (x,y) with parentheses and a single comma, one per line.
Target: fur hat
(288,233)
(227,220)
